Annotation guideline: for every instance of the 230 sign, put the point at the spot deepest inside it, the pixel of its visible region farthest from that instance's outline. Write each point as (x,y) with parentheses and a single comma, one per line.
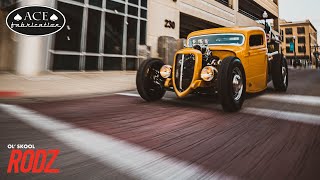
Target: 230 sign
(170,24)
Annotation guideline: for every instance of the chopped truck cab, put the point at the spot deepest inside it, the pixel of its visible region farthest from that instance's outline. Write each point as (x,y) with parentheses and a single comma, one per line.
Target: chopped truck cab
(229,62)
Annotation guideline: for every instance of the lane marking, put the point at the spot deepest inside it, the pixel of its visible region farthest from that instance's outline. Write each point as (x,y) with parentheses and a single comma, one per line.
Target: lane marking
(130,159)
(285,115)
(286,98)
(128,94)
(292,99)
(282,115)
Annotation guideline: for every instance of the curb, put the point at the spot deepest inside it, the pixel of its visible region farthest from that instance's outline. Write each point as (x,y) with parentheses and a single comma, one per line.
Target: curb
(9,94)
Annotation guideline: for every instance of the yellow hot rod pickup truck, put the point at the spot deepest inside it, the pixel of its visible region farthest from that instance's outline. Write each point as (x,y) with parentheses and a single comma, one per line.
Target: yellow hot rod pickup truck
(229,62)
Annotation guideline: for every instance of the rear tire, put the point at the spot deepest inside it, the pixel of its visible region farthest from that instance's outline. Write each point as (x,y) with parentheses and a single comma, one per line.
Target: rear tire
(280,73)
(150,84)
(231,84)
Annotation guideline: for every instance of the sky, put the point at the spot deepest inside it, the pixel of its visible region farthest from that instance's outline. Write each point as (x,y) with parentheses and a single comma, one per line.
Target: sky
(299,10)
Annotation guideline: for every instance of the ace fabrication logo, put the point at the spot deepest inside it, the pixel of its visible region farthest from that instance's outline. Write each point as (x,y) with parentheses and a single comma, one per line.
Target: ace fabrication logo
(35,20)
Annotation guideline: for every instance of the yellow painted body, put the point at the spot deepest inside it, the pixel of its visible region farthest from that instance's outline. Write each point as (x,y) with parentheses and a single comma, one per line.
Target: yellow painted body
(253,59)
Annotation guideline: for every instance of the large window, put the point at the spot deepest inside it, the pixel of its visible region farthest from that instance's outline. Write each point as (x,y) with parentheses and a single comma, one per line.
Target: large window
(288,31)
(99,35)
(143,32)
(113,34)
(111,63)
(92,63)
(79,1)
(289,40)
(115,6)
(93,31)
(96,3)
(302,49)
(66,63)
(69,38)
(134,2)
(301,30)
(301,40)
(131,64)
(288,50)
(144,3)
(132,37)
(224,2)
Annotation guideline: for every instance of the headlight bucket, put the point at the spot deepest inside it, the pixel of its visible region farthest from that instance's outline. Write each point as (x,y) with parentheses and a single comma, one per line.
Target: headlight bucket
(166,71)
(208,73)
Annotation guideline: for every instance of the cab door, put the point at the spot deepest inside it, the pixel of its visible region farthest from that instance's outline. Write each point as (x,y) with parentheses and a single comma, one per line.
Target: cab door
(257,71)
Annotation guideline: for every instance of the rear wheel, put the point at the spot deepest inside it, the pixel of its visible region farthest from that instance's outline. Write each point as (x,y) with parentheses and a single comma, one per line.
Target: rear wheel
(231,84)
(280,73)
(149,82)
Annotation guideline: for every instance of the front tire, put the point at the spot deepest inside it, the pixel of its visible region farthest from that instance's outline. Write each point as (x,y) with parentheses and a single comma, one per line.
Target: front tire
(231,84)
(150,84)
(280,73)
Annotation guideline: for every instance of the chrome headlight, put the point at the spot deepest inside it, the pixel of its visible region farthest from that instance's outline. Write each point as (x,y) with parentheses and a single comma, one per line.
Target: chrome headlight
(165,71)
(208,73)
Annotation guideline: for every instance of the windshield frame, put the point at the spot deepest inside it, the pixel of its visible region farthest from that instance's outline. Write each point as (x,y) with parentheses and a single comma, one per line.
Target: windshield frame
(244,39)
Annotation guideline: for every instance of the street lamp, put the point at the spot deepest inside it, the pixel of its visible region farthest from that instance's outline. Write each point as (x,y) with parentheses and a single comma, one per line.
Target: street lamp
(265,17)
(310,43)
(316,54)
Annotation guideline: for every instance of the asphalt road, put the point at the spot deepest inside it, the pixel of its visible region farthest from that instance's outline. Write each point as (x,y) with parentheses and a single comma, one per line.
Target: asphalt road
(275,136)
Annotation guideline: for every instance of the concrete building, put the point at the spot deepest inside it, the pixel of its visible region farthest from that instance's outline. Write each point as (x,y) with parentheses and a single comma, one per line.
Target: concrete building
(303,35)
(103,35)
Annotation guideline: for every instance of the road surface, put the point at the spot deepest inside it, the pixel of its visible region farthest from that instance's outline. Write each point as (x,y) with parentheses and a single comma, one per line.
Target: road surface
(275,135)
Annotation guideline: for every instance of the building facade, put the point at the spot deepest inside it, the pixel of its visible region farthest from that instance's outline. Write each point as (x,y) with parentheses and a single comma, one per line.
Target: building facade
(104,35)
(302,36)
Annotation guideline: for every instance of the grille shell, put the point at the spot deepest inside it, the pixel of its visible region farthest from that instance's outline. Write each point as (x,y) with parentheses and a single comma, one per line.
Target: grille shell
(184,71)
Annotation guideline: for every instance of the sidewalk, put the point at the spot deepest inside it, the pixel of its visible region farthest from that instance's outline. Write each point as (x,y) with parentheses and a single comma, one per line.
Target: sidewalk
(54,85)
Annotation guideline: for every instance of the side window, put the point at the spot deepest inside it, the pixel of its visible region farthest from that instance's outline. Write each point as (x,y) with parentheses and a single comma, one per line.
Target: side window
(256,40)
(288,50)
(301,40)
(288,31)
(301,30)
(289,40)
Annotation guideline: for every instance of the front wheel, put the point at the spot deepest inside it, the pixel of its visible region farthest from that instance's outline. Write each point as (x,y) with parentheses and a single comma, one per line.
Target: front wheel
(231,84)
(149,82)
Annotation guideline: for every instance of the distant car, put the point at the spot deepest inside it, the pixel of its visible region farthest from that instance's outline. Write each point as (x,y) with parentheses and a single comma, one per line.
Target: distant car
(297,62)
(224,61)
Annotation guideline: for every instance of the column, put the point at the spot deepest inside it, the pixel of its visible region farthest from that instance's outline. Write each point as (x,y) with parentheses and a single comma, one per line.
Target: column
(31,51)
(235,4)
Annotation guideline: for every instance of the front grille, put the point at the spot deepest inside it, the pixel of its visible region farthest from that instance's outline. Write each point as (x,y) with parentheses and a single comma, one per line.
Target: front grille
(184,69)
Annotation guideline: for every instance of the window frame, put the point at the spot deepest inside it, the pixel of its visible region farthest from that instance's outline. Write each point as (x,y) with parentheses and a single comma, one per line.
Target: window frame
(83,53)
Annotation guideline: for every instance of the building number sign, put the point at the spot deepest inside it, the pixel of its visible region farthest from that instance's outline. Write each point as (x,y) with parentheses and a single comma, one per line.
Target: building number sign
(170,24)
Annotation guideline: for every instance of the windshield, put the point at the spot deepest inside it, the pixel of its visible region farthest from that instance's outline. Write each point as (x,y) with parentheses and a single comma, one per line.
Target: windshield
(217,39)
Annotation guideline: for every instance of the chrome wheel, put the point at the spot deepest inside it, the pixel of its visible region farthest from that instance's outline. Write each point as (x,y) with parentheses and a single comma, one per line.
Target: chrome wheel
(284,75)
(237,84)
